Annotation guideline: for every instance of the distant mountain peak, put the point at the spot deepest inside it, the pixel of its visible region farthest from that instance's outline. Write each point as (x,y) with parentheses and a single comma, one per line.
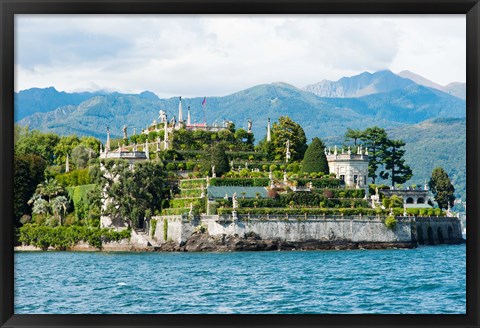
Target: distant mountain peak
(363,84)
(455,89)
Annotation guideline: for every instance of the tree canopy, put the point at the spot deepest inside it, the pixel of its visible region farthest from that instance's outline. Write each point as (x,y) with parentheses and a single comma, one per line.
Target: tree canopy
(442,188)
(287,130)
(315,159)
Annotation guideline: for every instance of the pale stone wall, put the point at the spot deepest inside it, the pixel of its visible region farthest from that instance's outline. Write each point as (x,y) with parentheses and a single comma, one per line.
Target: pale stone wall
(362,229)
(179,228)
(330,228)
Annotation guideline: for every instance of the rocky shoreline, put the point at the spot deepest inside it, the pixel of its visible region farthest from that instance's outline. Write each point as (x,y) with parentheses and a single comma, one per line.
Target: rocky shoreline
(204,242)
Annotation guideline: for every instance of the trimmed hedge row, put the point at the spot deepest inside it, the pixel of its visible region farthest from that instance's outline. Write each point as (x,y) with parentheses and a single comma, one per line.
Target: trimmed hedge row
(320,183)
(191,192)
(247,182)
(308,211)
(185,202)
(192,183)
(62,237)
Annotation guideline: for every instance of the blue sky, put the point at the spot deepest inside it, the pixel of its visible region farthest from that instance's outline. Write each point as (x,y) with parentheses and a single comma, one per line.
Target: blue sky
(206,55)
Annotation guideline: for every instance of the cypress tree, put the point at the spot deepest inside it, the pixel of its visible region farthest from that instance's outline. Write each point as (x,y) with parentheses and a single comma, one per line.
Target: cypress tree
(442,188)
(315,159)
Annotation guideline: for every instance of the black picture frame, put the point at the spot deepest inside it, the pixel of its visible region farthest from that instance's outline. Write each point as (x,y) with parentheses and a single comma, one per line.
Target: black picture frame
(471,8)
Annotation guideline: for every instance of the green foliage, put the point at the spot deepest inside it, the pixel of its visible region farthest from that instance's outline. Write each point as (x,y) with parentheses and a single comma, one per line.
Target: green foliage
(395,167)
(153,224)
(64,147)
(391,222)
(315,159)
(246,182)
(132,191)
(81,155)
(353,135)
(193,183)
(28,173)
(324,182)
(442,188)
(217,157)
(36,143)
(300,211)
(165,229)
(374,139)
(63,237)
(74,178)
(287,130)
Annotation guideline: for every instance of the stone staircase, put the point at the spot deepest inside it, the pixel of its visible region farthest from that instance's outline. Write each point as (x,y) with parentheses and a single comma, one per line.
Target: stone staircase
(145,240)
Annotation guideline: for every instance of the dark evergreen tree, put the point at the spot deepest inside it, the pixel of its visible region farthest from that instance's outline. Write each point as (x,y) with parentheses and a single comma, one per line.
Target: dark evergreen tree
(28,173)
(217,157)
(395,168)
(442,188)
(375,139)
(315,159)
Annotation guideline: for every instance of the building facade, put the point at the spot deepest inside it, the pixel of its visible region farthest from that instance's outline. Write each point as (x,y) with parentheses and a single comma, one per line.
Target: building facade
(349,167)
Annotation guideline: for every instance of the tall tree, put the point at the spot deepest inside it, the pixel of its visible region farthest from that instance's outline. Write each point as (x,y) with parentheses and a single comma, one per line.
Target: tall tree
(217,157)
(286,129)
(315,159)
(64,147)
(36,143)
(375,140)
(28,172)
(442,188)
(129,192)
(353,135)
(395,168)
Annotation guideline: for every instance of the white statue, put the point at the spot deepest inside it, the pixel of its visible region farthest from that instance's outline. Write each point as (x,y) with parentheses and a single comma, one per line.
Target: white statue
(162,116)
(234,200)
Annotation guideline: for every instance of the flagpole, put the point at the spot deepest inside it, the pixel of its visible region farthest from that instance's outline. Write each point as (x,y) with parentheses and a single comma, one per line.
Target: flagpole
(204,105)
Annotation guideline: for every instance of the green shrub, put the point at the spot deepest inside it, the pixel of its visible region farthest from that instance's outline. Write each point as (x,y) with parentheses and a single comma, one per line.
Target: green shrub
(63,237)
(165,229)
(391,222)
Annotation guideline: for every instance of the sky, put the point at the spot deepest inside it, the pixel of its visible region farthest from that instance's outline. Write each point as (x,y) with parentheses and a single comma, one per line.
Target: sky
(216,55)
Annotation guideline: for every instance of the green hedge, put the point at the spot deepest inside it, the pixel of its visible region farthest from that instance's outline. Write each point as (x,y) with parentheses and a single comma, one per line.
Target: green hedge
(320,183)
(192,183)
(175,211)
(239,182)
(308,211)
(62,237)
(246,155)
(185,202)
(191,192)
(420,211)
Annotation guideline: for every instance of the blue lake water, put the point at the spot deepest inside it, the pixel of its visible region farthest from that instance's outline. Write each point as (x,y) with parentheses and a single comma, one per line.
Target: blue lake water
(423,280)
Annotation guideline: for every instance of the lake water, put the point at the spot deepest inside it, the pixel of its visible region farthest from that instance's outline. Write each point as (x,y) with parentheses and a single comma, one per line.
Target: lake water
(423,280)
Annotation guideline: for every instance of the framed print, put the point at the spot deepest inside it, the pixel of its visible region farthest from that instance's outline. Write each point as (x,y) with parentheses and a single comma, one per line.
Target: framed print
(239,164)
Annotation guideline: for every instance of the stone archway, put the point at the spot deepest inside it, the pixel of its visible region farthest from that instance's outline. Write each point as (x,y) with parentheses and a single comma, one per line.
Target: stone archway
(441,240)
(431,240)
(409,200)
(421,200)
(450,233)
(420,238)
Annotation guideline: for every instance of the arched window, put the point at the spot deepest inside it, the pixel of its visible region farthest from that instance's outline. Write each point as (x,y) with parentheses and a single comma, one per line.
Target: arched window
(420,200)
(409,200)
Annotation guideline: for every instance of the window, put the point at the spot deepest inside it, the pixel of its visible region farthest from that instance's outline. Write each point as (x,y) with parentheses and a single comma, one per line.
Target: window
(342,177)
(355,178)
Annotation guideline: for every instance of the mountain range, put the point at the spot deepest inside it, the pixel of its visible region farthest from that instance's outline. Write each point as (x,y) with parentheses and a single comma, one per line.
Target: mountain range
(401,103)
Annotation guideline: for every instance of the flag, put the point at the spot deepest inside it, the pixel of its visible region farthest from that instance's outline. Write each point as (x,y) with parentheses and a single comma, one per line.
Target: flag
(204,101)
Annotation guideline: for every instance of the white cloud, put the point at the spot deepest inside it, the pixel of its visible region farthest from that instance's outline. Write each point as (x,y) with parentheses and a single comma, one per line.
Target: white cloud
(217,55)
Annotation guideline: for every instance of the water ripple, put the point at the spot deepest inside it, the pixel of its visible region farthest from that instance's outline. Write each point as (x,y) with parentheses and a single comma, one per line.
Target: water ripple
(426,280)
